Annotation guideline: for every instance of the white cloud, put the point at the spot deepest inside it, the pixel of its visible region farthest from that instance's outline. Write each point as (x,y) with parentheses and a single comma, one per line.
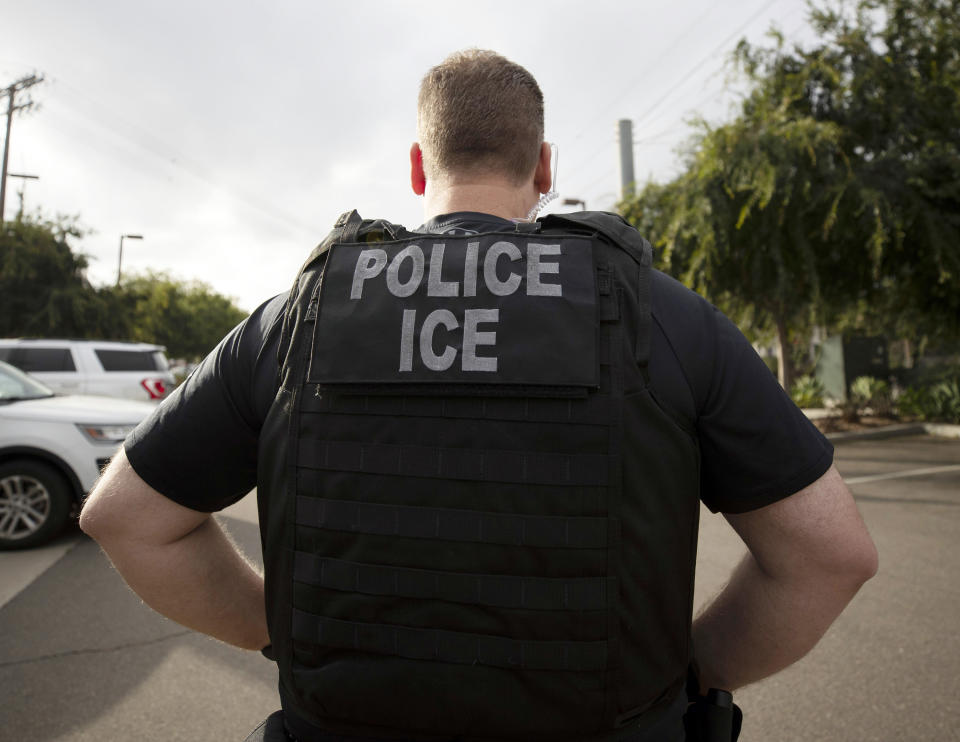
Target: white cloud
(231,135)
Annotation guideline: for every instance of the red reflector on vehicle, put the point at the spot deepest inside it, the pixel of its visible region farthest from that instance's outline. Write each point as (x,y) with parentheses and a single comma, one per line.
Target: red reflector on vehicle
(155,388)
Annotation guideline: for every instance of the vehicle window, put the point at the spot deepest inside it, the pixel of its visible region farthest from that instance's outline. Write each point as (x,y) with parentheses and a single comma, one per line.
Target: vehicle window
(42,359)
(161,360)
(128,360)
(15,385)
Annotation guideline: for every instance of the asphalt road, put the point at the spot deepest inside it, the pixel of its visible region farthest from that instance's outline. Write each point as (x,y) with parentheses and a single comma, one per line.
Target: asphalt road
(81,659)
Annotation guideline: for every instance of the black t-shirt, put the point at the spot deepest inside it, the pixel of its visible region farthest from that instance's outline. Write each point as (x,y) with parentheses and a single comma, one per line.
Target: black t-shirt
(199,448)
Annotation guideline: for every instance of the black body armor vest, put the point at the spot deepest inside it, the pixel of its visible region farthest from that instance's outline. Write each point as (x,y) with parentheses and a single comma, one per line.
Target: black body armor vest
(478,522)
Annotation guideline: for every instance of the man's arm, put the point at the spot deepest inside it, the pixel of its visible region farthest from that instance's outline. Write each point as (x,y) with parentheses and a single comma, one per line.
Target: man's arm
(178,560)
(808,556)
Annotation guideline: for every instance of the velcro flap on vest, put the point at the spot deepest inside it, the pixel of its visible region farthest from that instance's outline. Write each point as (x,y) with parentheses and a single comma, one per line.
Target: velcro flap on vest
(501,309)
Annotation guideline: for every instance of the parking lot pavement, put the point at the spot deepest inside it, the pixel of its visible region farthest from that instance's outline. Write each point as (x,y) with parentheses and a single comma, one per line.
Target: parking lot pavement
(81,658)
(20,568)
(889,668)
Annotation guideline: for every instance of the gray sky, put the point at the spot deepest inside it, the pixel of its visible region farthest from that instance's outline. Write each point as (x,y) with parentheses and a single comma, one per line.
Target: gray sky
(232,134)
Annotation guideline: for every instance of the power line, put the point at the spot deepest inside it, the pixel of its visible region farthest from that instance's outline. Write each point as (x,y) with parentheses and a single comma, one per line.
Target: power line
(708,58)
(630,87)
(146,140)
(11,91)
(654,138)
(610,171)
(696,68)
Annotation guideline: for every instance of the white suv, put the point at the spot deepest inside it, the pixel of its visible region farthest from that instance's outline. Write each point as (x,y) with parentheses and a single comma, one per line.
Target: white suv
(95,367)
(52,449)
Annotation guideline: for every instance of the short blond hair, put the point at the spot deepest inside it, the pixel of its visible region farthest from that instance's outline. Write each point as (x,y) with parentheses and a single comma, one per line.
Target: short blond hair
(480,113)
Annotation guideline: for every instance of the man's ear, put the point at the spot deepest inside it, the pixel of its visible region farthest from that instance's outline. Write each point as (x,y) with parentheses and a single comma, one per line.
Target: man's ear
(542,176)
(418,181)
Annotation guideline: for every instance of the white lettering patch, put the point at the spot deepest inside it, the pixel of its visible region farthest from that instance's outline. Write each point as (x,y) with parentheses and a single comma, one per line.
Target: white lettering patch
(463,308)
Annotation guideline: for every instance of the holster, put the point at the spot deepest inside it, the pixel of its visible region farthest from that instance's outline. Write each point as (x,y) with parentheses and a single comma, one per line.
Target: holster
(711,718)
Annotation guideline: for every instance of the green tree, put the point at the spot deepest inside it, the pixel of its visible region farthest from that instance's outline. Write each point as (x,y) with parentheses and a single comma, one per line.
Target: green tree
(189,318)
(749,223)
(888,75)
(43,288)
(44,292)
(835,189)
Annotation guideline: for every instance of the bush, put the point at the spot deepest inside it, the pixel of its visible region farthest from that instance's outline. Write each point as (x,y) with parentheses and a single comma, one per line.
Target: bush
(935,403)
(946,401)
(868,391)
(915,402)
(807,392)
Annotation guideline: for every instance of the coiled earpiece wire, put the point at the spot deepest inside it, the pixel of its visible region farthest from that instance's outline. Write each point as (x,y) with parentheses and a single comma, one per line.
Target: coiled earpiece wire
(552,193)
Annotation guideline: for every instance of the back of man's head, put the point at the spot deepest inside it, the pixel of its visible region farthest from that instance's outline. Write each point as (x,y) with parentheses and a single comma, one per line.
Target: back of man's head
(479,114)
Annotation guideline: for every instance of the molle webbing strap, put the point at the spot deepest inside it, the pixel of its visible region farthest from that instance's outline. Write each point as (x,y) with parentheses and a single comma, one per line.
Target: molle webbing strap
(344,230)
(644,319)
(496,591)
(574,470)
(350,222)
(563,411)
(449,646)
(448,524)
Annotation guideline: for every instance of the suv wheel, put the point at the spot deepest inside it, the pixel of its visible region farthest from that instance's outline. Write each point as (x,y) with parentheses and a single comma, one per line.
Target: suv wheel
(34,503)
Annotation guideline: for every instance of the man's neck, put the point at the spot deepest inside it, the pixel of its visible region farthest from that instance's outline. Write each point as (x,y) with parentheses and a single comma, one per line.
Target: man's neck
(503,200)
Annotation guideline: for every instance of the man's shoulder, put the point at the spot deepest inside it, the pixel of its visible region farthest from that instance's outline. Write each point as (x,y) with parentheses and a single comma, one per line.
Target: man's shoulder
(270,312)
(245,363)
(678,308)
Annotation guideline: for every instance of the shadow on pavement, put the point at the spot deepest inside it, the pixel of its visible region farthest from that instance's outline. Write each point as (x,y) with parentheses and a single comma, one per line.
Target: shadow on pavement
(80,651)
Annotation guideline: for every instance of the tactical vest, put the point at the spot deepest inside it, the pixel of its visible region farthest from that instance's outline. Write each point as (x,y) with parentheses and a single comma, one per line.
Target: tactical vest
(478,521)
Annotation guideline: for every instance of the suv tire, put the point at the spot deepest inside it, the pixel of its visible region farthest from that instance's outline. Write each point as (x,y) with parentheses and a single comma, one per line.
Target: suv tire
(35,503)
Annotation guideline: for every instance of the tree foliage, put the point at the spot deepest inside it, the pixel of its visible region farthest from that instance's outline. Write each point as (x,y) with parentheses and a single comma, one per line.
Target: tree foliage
(834,195)
(889,77)
(749,223)
(43,289)
(44,293)
(189,318)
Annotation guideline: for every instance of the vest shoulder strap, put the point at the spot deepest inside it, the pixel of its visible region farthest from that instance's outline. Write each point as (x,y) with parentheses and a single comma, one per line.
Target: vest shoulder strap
(612,226)
(618,231)
(349,227)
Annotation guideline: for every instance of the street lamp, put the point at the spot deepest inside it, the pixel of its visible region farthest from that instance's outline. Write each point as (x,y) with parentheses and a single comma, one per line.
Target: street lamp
(574,202)
(120,258)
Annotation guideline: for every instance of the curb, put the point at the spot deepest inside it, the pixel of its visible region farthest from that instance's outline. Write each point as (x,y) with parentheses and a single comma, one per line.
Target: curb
(888,431)
(944,430)
(941,430)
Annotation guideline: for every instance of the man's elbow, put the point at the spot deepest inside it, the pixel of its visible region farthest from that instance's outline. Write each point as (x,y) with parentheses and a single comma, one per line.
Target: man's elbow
(104,514)
(95,517)
(850,566)
(863,561)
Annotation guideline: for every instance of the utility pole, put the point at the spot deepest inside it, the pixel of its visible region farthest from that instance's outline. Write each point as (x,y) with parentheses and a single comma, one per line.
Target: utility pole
(627,179)
(23,188)
(11,93)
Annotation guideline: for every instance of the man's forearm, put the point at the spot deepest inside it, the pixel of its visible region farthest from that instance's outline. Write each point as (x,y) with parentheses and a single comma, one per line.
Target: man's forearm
(759,625)
(200,581)
(809,553)
(180,561)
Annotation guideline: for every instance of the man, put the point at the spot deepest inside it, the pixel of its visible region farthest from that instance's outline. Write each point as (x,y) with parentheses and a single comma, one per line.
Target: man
(478,477)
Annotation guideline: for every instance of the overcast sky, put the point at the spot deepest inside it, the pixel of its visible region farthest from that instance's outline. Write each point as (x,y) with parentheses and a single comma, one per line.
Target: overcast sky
(232,134)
